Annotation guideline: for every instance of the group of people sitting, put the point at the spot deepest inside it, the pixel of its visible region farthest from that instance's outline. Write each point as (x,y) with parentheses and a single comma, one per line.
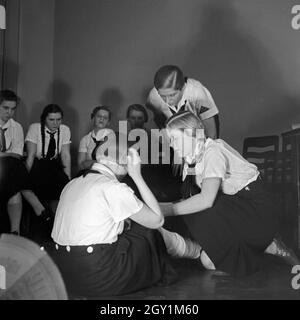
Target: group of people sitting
(110,235)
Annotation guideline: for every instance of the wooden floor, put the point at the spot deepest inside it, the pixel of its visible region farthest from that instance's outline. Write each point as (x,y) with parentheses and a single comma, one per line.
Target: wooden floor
(195,283)
(271,283)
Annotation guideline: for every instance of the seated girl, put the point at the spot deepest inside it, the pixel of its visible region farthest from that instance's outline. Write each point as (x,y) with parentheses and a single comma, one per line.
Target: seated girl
(14,178)
(99,254)
(48,155)
(101,117)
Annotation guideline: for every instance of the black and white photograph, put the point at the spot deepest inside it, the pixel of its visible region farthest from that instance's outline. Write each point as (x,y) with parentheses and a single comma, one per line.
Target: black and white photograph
(149,153)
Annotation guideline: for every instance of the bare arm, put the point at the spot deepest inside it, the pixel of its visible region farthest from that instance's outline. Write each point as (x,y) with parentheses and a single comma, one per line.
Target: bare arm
(150,215)
(210,128)
(148,218)
(31,153)
(196,203)
(66,159)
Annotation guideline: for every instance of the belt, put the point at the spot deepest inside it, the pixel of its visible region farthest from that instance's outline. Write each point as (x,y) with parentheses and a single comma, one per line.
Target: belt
(78,249)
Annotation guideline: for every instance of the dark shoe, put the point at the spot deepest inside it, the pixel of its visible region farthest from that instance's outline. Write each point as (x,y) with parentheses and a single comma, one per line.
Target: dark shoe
(15,233)
(286,253)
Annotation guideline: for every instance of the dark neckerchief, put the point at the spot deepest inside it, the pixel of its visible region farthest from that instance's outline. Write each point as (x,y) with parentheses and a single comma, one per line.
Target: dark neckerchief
(182,107)
(189,186)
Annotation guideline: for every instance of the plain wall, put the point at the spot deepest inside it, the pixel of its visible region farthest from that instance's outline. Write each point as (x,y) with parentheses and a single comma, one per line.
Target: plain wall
(88,52)
(35,57)
(29,56)
(245,52)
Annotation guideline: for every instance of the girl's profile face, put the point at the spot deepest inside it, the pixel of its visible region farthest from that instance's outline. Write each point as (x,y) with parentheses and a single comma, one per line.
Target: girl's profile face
(170,96)
(182,142)
(101,119)
(53,121)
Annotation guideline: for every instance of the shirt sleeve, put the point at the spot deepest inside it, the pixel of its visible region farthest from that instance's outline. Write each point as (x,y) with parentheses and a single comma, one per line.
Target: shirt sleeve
(17,141)
(214,164)
(66,135)
(122,202)
(206,107)
(33,133)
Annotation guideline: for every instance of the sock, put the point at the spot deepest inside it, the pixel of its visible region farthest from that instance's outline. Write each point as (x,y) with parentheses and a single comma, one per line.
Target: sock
(178,246)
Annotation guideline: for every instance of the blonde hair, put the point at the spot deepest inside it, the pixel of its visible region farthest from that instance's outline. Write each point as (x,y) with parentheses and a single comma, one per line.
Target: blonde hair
(185,120)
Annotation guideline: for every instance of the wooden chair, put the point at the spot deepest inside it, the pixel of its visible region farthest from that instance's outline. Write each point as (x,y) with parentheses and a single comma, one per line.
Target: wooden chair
(263,152)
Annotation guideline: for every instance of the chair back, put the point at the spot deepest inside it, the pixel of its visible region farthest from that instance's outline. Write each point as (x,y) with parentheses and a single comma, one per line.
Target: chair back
(263,152)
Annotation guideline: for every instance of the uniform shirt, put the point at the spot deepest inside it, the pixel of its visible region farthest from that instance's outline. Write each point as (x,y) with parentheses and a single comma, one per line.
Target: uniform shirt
(219,160)
(34,135)
(14,137)
(87,143)
(196,98)
(92,209)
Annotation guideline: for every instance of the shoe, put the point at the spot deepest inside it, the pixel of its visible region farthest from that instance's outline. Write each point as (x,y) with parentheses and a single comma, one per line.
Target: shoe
(15,233)
(286,253)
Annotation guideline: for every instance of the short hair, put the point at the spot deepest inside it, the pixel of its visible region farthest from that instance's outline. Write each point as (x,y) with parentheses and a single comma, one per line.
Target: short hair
(169,76)
(185,120)
(50,108)
(137,107)
(96,109)
(8,95)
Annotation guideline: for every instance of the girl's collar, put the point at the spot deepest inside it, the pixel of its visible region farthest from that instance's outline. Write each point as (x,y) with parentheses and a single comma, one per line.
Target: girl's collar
(199,151)
(103,169)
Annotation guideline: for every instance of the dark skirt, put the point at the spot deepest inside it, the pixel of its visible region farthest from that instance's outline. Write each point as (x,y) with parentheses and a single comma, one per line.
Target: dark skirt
(14,177)
(48,179)
(238,228)
(136,261)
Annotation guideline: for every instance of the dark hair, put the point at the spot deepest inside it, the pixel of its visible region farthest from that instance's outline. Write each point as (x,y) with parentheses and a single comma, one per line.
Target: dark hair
(137,107)
(96,109)
(50,108)
(169,77)
(8,95)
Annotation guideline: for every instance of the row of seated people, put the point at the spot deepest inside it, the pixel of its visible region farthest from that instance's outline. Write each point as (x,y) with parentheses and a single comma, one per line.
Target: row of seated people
(41,175)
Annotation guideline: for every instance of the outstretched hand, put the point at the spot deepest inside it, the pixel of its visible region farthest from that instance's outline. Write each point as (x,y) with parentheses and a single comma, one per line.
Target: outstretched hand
(133,163)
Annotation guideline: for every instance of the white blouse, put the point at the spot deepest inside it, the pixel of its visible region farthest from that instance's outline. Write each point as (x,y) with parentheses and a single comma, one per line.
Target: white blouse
(220,160)
(14,137)
(87,143)
(92,209)
(196,99)
(34,135)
